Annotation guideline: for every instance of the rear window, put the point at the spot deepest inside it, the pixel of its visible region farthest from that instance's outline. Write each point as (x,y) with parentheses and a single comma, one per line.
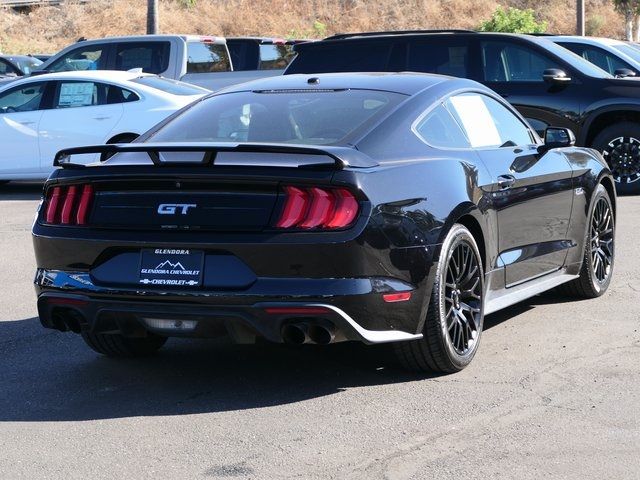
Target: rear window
(207,57)
(342,57)
(151,57)
(297,117)
(275,57)
(174,87)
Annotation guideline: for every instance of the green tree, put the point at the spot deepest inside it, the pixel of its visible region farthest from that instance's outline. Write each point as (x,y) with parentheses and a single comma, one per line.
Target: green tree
(513,20)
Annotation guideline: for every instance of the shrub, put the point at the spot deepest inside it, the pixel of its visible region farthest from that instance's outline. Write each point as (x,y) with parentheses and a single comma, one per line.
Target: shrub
(513,20)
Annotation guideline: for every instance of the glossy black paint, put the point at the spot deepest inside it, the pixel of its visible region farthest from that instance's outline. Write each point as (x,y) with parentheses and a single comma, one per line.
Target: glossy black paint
(409,197)
(586,104)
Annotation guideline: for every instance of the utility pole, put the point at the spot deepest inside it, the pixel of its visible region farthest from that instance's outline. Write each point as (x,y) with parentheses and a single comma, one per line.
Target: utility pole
(152,17)
(580,18)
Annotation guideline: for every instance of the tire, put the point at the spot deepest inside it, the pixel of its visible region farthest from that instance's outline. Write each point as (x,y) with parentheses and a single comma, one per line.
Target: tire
(453,324)
(590,283)
(115,345)
(620,147)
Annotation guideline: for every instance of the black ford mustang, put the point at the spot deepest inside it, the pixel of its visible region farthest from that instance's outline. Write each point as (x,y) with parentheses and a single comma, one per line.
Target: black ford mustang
(316,209)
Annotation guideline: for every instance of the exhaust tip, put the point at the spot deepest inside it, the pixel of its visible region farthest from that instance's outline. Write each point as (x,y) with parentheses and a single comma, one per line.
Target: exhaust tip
(295,333)
(321,334)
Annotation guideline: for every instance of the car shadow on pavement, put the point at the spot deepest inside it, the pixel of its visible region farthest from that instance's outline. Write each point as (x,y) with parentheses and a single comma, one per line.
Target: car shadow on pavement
(54,376)
(21,191)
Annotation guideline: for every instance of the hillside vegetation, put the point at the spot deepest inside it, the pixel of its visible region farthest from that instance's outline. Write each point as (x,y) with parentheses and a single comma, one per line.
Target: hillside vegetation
(47,29)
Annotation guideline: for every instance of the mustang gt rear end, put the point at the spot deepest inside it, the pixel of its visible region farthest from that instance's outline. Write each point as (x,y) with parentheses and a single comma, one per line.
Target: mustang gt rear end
(379,208)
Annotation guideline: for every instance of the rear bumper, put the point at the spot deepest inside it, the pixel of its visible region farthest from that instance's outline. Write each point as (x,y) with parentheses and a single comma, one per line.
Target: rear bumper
(71,301)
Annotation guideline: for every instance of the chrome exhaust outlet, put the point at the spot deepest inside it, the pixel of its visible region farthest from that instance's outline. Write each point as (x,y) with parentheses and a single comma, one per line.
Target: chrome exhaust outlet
(322,334)
(296,333)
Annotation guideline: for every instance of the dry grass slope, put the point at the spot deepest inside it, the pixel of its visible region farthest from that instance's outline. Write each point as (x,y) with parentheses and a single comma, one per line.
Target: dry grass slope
(47,29)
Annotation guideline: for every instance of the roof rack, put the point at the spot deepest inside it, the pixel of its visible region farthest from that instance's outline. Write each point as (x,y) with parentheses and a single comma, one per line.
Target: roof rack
(340,36)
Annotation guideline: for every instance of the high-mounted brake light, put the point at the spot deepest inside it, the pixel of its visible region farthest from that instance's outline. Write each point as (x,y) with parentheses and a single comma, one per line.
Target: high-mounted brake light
(317,208)
(68,205)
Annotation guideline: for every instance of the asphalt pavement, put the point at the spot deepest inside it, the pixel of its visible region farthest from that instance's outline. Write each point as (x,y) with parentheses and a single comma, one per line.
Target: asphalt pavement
(553,393)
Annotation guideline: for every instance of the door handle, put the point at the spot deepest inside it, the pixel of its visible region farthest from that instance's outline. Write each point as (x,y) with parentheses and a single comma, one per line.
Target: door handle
(101,118)
(506,181)
(26,122)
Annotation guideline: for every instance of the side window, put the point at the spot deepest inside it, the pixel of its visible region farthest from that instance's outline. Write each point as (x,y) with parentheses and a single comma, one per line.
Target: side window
(505,62)
(77,94)
(603,59)
(7,69)
(90,57)
(438,56)
(151,57)
(439,129)
(207,57)
(115,94)
(488,123)
(275,57)
(26,98)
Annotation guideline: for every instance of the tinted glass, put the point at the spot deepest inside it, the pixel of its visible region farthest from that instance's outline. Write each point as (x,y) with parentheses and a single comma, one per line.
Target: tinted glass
(603,59)
(85,94)
(82,58)
(6,68)
(168,85)
(299,117)
(350,57)
(22,99)
(245,54)
(629,50)
(440,129)
(488,123)
(506,62)
(26,64)
(207,57)
(151,57)
(444,56)
(275,57)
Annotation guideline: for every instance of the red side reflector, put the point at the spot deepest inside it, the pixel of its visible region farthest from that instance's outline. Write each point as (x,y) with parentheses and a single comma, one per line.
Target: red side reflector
(85,203)
(53,203)
(296,310)
(396,297)
(295,207)
(67,207)
(346,209)
(320,210)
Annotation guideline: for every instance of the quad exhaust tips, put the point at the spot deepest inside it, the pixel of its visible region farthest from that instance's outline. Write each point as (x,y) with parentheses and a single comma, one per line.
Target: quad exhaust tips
(302,332)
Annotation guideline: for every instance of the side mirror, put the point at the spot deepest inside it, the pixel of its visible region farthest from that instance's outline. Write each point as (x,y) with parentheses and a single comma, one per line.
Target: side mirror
(555,76)
(557,137)
(624,72)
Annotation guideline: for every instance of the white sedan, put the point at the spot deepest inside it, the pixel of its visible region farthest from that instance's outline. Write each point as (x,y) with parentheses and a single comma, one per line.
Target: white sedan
(43,114)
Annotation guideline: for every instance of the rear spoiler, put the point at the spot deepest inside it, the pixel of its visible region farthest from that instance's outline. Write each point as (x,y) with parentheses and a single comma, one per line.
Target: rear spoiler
(338,157)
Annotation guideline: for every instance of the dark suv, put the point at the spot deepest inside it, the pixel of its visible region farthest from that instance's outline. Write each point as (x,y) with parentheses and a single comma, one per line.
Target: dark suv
(548,84)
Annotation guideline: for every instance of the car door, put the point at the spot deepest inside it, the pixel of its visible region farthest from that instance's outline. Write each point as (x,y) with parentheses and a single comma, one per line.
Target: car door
(20,116)
(532,194)
(515,71)
(83,113)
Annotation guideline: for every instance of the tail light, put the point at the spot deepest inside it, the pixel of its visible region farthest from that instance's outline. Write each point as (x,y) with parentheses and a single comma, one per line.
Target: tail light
(318,208)
(68,205)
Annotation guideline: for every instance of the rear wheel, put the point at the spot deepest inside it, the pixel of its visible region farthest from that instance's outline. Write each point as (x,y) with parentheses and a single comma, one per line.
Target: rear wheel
(599,250)
(620,147)
(454,320)
(115,345)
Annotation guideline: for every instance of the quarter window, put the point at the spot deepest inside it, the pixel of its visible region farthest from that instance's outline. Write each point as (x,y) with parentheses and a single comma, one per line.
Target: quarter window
(26,98)
(505,62)
(84,58)
(488,123)
(439,129)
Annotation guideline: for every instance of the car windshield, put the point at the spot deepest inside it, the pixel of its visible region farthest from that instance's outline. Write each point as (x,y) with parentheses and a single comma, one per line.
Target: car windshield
(174,87)
(27,64)
(279,116)
(576,61)
(628,50)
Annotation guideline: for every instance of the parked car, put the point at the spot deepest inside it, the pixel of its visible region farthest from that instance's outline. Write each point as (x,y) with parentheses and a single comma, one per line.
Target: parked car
(291,208)
(197,59)
(13,66)
(548,84)
(261,53)
(40,115)
(616,57)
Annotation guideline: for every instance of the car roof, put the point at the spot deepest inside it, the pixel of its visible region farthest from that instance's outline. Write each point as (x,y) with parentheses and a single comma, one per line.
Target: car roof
(141,38)
(407,83)
(586,40)
(93,75)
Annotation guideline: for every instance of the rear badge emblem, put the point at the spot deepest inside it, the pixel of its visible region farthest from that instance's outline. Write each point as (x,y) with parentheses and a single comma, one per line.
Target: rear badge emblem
(175,208)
